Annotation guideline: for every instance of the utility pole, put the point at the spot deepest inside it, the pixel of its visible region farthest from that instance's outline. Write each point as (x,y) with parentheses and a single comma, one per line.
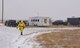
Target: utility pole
(2,11)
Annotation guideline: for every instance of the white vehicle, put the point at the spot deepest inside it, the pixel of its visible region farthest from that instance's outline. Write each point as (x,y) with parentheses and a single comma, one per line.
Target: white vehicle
(39,21)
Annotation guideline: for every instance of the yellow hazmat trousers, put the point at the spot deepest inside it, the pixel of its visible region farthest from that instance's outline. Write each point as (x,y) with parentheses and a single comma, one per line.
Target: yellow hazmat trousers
(21,26)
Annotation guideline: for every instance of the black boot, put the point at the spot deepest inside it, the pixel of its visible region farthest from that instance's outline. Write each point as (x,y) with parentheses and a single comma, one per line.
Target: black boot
(21,33)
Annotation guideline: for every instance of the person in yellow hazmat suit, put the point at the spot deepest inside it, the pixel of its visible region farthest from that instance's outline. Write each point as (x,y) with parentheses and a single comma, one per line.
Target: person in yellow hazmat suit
(21,26)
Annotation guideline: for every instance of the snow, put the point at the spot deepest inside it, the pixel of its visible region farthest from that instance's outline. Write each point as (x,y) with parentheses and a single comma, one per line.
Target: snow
(6,36)
(26,42)
(10,37)
(1,24)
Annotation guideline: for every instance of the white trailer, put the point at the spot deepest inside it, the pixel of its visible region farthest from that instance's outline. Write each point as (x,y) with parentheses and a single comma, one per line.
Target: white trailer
(39,21)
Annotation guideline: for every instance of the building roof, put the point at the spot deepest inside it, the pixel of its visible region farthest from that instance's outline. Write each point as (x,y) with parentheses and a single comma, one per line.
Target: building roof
(39,17)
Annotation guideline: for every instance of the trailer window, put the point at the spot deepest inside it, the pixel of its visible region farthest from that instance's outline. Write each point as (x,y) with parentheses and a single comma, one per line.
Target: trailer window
(38,20)
(35,20)
(45,20)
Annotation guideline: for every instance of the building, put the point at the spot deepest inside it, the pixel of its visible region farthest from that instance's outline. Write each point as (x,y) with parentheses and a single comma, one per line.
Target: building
(39,21)
(73,21)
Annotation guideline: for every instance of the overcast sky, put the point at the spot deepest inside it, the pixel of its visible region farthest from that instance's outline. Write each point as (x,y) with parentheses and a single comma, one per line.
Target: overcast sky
(56,9)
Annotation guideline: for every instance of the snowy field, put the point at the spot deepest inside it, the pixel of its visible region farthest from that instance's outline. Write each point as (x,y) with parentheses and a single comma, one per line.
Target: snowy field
(10,37)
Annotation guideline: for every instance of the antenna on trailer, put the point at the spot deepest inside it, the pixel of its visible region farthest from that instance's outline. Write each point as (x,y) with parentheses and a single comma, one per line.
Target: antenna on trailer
(37,13)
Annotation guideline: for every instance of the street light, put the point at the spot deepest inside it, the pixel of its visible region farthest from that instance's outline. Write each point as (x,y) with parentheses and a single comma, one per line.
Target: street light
(2,10)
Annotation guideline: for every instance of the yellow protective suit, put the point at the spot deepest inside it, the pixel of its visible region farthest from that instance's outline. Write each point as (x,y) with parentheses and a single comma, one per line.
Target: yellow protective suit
(21,26)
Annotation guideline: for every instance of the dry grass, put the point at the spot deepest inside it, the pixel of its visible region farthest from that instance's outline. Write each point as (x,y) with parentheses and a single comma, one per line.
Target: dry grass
(60,39)
(60,26)
(53,26)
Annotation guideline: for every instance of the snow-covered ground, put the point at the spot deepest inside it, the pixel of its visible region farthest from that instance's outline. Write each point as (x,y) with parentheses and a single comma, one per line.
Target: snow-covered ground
(10,37)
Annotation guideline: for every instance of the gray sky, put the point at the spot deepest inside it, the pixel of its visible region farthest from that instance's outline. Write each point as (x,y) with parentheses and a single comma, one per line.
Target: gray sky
(56,9)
